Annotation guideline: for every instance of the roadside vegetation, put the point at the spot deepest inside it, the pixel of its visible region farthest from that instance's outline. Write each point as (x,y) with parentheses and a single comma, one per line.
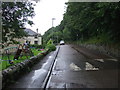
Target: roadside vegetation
(36,49)
(88,22)
(14,17)
(4,62)
(50,46)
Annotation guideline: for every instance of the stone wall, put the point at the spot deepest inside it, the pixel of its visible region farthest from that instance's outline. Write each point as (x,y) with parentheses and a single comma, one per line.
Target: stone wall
(106,49)
(15,71)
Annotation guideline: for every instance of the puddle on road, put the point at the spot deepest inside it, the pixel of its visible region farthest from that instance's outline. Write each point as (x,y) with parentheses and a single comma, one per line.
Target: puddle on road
(50,57)
(38,73)
(41,71)
(44,65)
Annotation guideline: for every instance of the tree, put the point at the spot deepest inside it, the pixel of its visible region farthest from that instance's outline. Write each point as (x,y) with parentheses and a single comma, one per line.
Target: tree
(14,17)
(93,20)
(90,21)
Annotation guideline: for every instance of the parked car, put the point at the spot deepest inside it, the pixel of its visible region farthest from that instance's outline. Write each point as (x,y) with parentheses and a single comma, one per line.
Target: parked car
(62,42)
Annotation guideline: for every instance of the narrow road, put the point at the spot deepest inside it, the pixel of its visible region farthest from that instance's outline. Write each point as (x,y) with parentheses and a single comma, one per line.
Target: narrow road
(74,67)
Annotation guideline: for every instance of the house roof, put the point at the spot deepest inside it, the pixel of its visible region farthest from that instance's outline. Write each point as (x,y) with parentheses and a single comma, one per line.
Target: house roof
(31,32)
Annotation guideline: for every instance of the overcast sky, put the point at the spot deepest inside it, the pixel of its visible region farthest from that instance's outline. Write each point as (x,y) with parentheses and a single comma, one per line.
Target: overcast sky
(45,10)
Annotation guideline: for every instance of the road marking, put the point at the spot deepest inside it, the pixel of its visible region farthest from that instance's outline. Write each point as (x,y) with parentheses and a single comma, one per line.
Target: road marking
(112,59)
(89,66)
(74,67)
(101,60)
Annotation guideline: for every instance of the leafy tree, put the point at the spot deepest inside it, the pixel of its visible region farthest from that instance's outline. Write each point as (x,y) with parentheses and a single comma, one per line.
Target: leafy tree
(14,17)
(54,33)
(66,34)
(88,20)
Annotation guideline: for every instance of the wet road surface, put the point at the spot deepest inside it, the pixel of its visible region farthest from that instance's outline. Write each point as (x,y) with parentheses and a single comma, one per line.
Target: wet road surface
(74,67)
(36,77)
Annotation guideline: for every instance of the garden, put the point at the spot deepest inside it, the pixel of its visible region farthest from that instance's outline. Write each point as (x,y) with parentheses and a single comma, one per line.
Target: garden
(7,58)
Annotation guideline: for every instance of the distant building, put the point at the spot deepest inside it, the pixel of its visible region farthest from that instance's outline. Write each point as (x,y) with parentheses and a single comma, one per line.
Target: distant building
(33,37)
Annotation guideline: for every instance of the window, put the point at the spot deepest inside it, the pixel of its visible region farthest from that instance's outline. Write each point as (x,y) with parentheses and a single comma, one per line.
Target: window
(35,42)
(36,36)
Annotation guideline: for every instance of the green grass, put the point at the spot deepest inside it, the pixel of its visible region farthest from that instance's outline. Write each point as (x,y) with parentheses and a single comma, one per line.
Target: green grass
(36,52)
(4,63)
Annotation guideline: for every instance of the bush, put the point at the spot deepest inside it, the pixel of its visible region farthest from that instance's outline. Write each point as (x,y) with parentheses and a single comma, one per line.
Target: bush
(49,42)
(51,47)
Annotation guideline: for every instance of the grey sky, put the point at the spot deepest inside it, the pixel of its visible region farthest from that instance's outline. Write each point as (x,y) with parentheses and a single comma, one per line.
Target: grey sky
(45,10)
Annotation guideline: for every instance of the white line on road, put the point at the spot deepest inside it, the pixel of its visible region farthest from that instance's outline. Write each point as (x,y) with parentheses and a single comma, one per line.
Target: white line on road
(89,66)
(101,60)
(74,67)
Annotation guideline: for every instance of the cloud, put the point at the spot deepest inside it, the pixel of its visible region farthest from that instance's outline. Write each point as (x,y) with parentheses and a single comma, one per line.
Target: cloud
(45,10)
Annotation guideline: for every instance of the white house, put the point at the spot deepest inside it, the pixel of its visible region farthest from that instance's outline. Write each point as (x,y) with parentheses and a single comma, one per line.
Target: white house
(33,37)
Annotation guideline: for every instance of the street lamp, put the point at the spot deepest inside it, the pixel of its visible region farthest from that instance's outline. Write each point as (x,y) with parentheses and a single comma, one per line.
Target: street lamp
(37,30)
(53,21)
(52,25)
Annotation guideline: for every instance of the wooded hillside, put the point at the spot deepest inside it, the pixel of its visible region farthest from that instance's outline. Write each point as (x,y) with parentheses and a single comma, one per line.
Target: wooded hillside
(88,22)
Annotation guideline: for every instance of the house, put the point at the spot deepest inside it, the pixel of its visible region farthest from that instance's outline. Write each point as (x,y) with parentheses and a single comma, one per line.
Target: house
(33,37)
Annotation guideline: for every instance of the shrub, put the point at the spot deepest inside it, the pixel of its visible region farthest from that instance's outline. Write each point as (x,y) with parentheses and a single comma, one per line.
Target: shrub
(49,42)
(50,46)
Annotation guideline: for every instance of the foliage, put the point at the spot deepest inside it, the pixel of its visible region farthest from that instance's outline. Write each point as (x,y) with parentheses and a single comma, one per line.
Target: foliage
(50,46)
(5,63)
(54,33)
(14,17)
(87,21)
(50,42)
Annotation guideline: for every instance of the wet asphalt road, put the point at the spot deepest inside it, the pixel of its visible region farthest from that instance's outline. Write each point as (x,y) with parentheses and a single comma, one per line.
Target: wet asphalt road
(37,75)
(75,70)
(72,69)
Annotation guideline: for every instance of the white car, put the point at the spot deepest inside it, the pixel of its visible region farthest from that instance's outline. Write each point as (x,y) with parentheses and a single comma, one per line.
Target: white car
(62,42)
